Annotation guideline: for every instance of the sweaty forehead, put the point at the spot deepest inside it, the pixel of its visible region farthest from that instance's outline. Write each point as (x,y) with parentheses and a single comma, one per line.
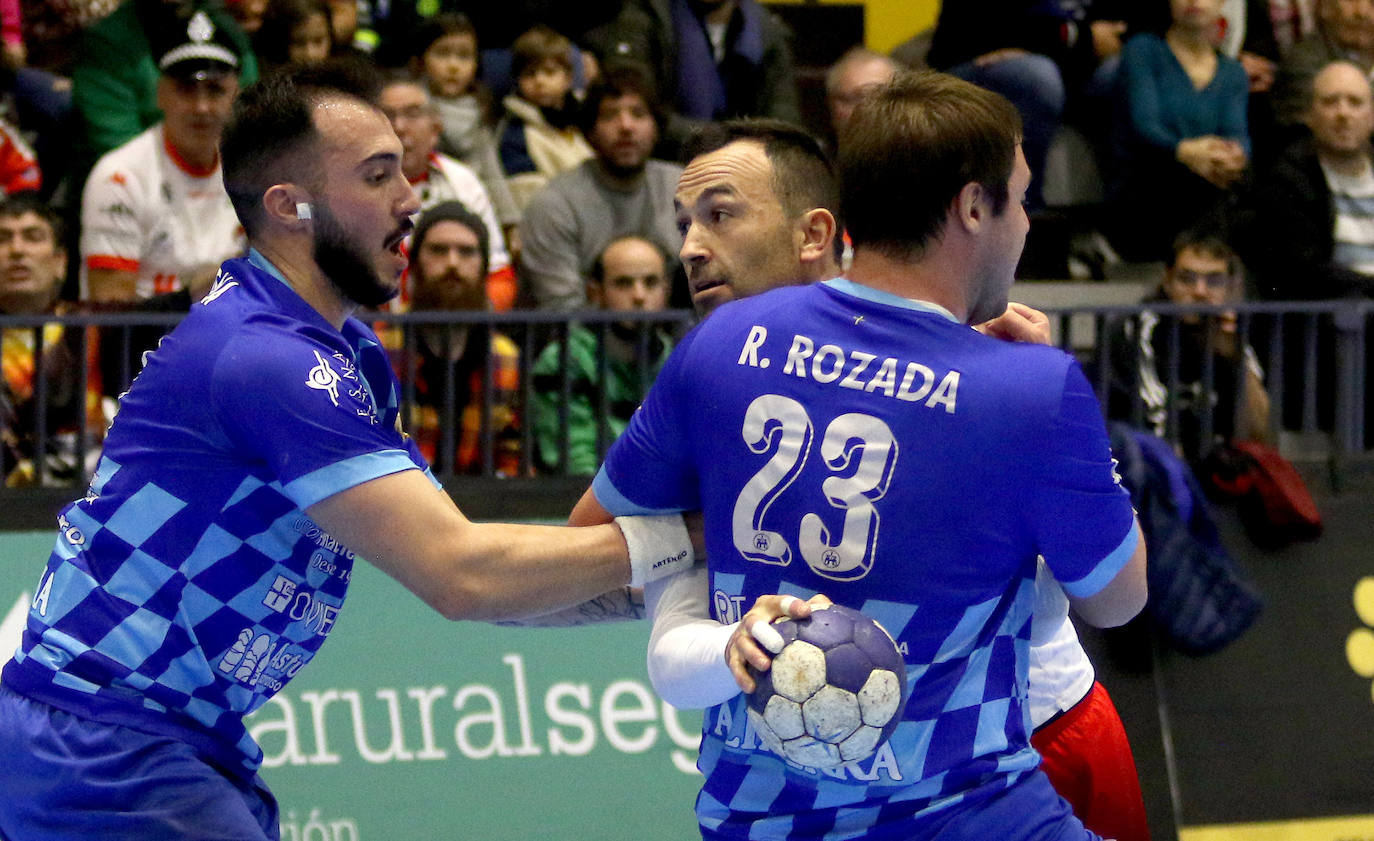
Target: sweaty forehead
(740,168)
(354,129)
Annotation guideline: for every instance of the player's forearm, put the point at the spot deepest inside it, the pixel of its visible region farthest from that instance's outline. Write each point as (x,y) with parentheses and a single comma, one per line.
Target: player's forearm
(687,664)
(505,572)
(413,532)
(616,606)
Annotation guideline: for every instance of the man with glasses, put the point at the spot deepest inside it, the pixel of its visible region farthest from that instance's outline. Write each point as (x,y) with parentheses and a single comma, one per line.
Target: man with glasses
(1203,270)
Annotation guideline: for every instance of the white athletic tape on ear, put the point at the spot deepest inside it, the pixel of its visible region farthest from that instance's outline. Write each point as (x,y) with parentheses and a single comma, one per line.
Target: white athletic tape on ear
(659,546)
(303,210)
(767,636)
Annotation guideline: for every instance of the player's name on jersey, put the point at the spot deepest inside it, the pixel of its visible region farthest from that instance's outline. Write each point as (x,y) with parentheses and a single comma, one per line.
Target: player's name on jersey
(831,364)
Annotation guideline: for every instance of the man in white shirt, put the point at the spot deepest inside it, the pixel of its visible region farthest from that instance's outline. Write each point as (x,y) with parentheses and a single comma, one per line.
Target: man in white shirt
(155,217)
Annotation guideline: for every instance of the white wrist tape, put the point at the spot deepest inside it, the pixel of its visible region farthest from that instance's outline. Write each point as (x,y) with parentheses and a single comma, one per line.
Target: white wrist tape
(659,546)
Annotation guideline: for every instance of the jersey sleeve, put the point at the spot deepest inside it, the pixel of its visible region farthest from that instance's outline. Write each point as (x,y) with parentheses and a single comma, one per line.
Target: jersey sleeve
(686,661)
(649,468)
(305,411)
(1084,522)
(111,232)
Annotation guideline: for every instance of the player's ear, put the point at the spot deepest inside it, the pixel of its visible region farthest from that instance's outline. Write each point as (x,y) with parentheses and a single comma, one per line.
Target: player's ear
(818,231)
(970,207)
(287,205)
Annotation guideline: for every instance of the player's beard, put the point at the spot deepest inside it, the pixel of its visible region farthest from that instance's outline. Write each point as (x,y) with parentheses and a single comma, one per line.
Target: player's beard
(346,264)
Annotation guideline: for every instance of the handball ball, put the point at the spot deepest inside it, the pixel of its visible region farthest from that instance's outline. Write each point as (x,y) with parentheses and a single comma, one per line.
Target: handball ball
(833,694)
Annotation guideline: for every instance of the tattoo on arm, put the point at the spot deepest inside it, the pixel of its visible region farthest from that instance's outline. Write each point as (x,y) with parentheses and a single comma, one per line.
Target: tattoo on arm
(616,606)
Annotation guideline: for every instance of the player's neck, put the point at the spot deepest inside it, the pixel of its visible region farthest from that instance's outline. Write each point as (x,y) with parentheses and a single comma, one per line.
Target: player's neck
(824,269)
(927,279)
(307,280)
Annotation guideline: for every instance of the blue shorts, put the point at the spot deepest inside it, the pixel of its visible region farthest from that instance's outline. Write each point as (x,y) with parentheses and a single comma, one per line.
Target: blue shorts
(65,777)
(1028,810)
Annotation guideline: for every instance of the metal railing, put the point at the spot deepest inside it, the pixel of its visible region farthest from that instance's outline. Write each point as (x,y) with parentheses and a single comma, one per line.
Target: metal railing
(1314,356)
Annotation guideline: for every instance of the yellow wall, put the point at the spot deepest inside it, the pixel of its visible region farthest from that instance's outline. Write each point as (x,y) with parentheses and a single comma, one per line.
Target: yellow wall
(889,22)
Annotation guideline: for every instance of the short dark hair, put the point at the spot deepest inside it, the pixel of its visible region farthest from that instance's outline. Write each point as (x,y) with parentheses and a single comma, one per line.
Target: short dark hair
(536,45)
(621,78)
(269,138)
(803,174)
(1207,241)
(18,204)
(909,149)
(441,25)
(597,273)
(272,41)
(449,211)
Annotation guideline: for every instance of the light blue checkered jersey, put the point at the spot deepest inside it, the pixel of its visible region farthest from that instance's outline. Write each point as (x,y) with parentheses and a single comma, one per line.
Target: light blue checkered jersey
(188,585)
(843,441)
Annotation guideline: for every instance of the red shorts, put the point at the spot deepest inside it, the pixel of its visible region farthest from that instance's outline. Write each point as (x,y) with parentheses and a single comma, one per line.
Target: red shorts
(1088,760)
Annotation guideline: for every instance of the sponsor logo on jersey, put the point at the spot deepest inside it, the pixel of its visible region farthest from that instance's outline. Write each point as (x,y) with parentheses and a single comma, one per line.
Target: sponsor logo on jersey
(324,378)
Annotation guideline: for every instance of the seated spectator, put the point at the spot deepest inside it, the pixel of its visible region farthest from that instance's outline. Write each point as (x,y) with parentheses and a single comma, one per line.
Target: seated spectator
(538,135)
(1203,270)
(452,362)
(1308,228)
(1035,54)
(1183,134)
(116,80)
(1308,232)
(33,267)
(1344,32)
(155,217)
(438,178)
(858,70)
(36,102)
(630,275)
(710,59)
(446,61)
(294,32)
(619,192)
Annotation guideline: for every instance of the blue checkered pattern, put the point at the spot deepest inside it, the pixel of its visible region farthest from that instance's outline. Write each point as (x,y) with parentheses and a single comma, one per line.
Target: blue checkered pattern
(798,422)
(189,586)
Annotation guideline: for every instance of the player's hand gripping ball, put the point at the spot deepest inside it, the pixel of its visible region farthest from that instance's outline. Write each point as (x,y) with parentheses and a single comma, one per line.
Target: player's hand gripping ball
(835,691)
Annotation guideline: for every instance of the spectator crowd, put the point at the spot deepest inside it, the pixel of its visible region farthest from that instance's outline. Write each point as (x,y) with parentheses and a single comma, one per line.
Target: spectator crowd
(545,143)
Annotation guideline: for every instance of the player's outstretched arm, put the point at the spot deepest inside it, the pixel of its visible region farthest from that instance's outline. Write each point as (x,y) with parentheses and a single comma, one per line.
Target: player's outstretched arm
(1122,598)
(615,605)
(412,531)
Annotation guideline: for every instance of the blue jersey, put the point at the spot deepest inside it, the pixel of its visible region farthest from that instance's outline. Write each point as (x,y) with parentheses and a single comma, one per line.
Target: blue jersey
(845,441)
(189,586)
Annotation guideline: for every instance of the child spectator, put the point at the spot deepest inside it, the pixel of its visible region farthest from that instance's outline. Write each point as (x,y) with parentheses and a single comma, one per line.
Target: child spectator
(538,135)
(446,59)
(294,32)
